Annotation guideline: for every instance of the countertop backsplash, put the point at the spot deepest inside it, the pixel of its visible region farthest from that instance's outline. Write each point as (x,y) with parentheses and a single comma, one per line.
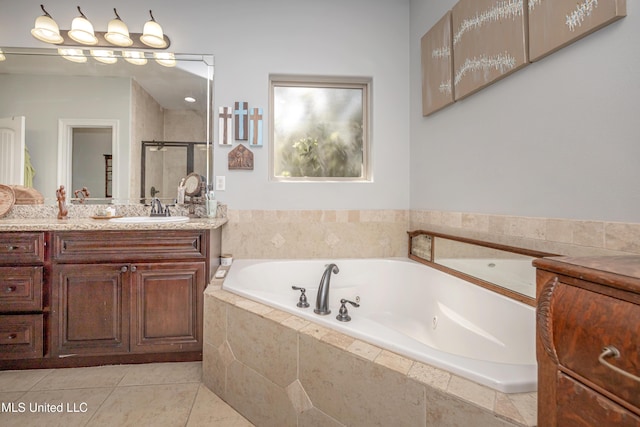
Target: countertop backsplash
(89,210)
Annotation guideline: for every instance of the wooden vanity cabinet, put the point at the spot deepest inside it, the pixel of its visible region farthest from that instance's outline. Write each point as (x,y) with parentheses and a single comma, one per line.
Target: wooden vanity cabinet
(586,306)
(22,299)
(127,292)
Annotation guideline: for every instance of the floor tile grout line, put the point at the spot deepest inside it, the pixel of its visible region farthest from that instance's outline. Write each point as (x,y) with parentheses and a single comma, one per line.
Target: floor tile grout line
(193,404)
(100,406)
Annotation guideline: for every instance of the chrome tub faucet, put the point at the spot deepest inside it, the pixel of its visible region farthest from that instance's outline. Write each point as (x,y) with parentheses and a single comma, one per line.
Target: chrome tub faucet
(322,299)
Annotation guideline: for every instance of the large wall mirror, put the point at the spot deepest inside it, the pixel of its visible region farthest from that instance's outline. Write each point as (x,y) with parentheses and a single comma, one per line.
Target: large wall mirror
(84,123)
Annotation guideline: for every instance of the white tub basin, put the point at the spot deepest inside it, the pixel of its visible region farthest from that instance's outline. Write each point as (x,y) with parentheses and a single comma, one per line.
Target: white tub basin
(149,219)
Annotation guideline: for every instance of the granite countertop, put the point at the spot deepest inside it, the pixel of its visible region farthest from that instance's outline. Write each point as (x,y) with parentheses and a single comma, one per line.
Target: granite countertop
(71,224)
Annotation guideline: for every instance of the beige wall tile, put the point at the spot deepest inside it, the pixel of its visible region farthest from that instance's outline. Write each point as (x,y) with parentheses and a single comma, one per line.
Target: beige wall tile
(623,237)
(394,361)
(434,377)
(263,345)
(258,399)
(357,391)
(472,392)
(299,398)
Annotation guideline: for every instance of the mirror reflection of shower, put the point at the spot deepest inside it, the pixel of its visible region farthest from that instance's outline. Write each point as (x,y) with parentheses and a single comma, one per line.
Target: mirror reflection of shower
(166,163)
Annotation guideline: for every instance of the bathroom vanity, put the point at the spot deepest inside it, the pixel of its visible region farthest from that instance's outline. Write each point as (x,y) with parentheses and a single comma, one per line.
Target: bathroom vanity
(588,341)
(85,292)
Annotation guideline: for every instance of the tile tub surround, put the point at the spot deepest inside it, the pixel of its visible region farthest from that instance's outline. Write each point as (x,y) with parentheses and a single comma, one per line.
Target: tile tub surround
(289,234)
(278,369)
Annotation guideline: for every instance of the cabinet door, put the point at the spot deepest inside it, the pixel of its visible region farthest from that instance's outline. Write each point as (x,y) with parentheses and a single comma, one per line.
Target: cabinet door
(89,309)
(166,307)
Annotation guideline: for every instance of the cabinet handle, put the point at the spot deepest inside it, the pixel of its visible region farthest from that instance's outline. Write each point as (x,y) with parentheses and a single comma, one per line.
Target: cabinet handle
(133,268)
(611,351)
(13,248)
(123,269)
(10,289)
(12,336)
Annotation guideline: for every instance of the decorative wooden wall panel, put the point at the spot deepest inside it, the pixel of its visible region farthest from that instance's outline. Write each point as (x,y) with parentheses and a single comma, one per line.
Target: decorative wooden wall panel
(437,66)
(489,42)
(554,24)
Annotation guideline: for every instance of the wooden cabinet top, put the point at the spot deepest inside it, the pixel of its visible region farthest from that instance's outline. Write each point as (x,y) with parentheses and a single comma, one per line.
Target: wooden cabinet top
(621,272)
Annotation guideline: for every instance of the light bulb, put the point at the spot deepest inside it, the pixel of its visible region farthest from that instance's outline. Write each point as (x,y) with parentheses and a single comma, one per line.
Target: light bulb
(82,30)
(152,34)
(117,32)
(134,57)
(46,29)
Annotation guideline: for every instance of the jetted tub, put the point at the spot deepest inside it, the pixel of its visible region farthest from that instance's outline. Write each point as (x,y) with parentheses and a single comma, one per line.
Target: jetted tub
(411,309)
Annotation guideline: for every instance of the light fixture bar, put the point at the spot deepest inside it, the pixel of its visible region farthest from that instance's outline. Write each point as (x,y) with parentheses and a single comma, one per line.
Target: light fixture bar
(102,42)
(82,33)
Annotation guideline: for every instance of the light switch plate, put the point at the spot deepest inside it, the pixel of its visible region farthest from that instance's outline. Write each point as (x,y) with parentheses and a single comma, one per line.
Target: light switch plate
(220,183)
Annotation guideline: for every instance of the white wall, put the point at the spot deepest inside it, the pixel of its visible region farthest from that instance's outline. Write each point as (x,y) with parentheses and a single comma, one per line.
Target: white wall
(252,38)
(68,98)
(557,139)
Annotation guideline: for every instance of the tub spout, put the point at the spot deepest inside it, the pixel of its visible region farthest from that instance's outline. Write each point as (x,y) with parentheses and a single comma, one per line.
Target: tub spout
(322,300)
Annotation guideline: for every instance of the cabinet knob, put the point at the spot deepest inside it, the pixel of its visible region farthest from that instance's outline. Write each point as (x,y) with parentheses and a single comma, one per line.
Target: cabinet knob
(133,268)
(10,289)
(124,269)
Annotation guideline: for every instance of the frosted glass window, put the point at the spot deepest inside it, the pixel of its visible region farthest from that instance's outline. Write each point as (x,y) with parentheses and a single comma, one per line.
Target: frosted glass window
(319,129)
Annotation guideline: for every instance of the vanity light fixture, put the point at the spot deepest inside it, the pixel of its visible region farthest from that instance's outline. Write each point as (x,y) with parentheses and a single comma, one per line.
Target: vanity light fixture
(118,32)
(73,55)
(82,30)
(46,29)
(189,99)
(104,56)
(152,34)
(166,59)
(82,33)
(134,57)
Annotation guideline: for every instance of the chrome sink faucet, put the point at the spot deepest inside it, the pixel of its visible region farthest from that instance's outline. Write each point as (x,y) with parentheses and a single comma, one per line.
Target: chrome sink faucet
(322,300)
(157,209)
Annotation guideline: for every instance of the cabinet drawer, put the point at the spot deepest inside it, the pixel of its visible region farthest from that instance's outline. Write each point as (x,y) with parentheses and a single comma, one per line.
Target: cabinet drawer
(21,248)
(128,246)
(585,322)
(579,406)
(20,289)
(21,336)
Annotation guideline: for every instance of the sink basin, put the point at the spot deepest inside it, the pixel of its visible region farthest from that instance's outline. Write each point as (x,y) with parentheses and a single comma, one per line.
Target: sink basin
(149,219)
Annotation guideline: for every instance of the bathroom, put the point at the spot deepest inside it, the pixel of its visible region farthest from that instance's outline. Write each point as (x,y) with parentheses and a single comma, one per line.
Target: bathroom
(544,159)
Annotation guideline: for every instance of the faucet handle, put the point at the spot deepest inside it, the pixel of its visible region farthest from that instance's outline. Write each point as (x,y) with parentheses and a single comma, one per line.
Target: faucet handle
(302,302)
(343,313)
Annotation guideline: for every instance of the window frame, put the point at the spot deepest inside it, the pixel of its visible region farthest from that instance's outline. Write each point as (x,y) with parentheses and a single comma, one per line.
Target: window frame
(334,82)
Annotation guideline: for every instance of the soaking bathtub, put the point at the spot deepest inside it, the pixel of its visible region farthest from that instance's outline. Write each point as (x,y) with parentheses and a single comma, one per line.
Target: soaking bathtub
(411,309)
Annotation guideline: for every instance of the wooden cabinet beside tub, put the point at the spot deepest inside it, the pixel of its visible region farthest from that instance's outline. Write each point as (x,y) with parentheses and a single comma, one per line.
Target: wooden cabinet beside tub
(588,341)
(107,296)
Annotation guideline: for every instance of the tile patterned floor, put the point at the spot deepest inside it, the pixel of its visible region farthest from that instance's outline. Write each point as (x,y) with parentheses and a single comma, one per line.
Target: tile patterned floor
(156,394)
